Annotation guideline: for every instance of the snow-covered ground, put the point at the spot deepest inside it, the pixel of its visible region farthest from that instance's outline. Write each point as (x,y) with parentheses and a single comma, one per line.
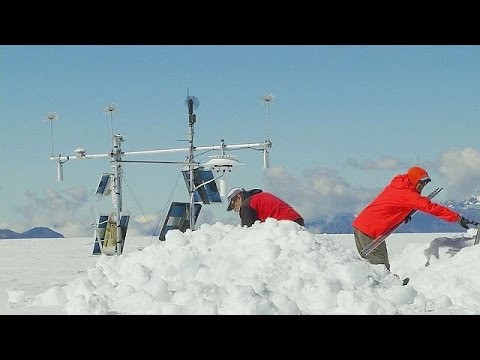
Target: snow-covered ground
(275,267)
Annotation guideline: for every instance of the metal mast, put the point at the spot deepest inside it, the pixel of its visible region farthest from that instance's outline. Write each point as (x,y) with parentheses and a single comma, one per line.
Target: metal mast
(267,99)
(117,188)
(116,161)
(51,117)
(192,102)
(110,109)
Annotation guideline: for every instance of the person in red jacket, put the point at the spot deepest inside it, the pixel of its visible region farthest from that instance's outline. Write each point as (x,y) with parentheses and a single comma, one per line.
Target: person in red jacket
(392,206)
(257,204)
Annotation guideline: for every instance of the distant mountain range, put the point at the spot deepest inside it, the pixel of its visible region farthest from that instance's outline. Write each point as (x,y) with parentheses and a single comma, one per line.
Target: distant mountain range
(36,232)
(421,222)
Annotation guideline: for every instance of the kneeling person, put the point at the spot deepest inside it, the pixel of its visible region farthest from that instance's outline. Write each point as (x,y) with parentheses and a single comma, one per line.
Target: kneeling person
(257,204)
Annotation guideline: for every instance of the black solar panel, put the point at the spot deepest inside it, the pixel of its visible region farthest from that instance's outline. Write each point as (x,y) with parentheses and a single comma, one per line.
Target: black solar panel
(178,218)
(207,193)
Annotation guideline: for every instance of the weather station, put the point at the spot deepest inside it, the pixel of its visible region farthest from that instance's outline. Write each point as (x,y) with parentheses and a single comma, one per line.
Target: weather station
(205,182)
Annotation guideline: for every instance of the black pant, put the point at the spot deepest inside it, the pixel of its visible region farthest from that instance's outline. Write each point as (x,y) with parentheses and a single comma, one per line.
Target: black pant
(300,221)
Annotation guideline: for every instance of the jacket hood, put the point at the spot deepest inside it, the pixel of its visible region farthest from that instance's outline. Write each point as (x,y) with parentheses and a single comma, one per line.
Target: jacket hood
(252,192)
(415,174)
(401,182)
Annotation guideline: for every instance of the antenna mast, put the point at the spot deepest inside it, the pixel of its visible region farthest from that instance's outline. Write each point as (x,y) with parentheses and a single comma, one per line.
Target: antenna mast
(110,109)
(51,117)
(267,99)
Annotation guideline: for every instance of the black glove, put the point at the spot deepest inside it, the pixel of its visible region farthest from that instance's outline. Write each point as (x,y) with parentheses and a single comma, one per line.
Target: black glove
(464,222)
(407,219)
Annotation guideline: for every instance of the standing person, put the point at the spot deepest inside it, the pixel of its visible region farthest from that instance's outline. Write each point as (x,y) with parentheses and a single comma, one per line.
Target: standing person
(392,206)
(257,204)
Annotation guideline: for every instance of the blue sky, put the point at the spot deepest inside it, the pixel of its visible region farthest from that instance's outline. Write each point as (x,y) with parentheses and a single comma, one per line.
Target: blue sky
(345,120)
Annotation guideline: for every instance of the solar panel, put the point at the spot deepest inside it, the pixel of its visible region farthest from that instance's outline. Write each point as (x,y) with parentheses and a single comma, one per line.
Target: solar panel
(178,218)
(207,193)
(103,187)
(101,228)
(100,234)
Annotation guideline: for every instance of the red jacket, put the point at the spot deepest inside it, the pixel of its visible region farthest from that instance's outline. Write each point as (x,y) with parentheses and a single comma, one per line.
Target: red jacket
(392,206)
(259,205)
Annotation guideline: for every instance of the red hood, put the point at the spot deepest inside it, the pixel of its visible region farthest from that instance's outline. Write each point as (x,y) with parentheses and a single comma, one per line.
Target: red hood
(401,182)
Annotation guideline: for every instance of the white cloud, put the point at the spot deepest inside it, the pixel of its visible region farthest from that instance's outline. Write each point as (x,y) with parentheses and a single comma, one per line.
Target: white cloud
(59,211)
(461,169)
(321,192)
(383,163)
